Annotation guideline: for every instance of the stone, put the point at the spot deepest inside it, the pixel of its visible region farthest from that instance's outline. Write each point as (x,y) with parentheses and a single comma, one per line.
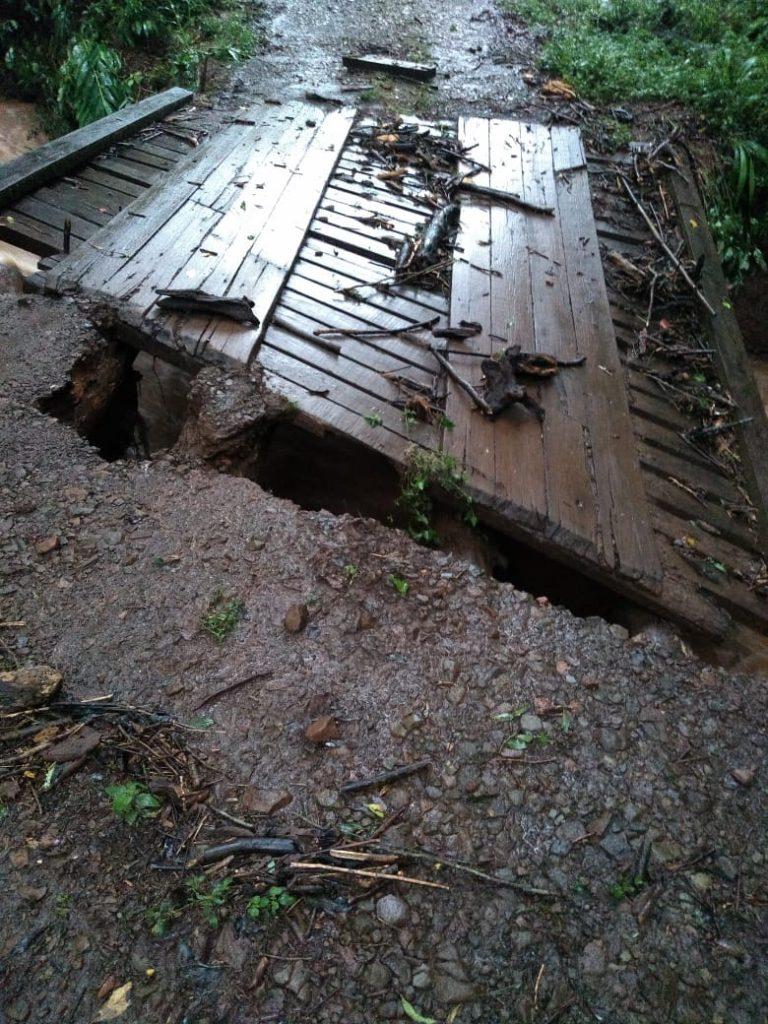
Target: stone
(28,687)
(451,990)
(377,977)
(391,910)
(616,845)
(296,618)
(46,545)
(531,723)
(744,776)
(266,801)
(593,958)
(322,730)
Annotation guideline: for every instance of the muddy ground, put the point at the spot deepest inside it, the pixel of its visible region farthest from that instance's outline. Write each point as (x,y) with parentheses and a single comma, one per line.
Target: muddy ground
(634,804)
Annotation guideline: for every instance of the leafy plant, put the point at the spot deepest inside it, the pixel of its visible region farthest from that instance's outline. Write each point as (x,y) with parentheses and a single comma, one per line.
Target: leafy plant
(413,1014)
(209,899)
(627,887)
(427,469)
(373,419)
(161,917)
(132,802)
(351,571)
(270,903)
(401,585)
(223,615)
(91,82)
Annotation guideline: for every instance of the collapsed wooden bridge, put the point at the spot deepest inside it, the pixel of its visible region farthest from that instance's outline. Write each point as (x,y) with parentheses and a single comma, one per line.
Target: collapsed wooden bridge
(290,207)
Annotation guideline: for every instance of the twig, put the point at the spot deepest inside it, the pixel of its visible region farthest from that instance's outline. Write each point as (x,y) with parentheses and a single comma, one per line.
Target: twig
(718,428)
(259,844)
(378,332)
(456,866)
(383,777)
(310,866)
(329,346)
(657,235)
(231,688)
(476,397)
(230,818)
(505,197)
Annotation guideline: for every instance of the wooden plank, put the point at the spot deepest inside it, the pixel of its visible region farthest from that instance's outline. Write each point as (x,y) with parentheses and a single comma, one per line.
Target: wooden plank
(624,510)
(55,217)
(725,337)
(277,246)
(142,155)
(30,234)
(472,442)
(135,174)
(119,186)
(415,70)
(72,200)
(56,158)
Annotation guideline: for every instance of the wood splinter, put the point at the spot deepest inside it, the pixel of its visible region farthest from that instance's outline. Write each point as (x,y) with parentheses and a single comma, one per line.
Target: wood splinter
(192,300)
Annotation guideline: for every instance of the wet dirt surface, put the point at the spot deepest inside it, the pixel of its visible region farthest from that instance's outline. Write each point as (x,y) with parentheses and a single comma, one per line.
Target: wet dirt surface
(478,53)
(109,571)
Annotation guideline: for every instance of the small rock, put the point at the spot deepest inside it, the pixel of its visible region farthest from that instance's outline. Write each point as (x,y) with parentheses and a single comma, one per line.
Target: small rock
(46,545)
(19,858)
(365,620)
(744,776)
(322,729)
(615,845)
(593,958)
(28,687)
(451,990)
(266,801)
(531,723)
(296,618)
(391,910)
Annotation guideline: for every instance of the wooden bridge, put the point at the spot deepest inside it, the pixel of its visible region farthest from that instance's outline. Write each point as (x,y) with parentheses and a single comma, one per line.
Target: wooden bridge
(287,206)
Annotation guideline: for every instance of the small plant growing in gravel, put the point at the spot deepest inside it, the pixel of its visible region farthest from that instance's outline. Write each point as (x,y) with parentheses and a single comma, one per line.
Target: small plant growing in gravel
(161,917)
(132,802)
(209,899)
(523,740)
(351,571)
(3,812)
(222,616)
(271,903)
(400,585)
(627,887)
(63,904)
(373,419)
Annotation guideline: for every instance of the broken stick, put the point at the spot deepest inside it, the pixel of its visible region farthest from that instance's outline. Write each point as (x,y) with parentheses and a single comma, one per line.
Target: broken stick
(675,261)
(473,393)
(384,777)
(309,866)
(485,192)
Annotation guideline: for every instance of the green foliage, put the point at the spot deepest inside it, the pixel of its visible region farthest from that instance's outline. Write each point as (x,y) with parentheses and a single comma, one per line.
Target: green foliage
(222,616)
(132,802)
(270,903)
(625,888)
(209,899)
(413,1014)
(373,419)
(3,812)
(91,84)
(71,55)
(713,57)
(401,585)
(161,917)
(425,470)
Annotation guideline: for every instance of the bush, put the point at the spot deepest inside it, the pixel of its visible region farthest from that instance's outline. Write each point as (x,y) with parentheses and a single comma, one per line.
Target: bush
(72,56)
(713,57)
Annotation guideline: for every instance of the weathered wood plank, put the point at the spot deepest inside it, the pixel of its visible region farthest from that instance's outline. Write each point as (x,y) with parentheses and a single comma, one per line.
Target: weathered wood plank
(725,337)
(55,158)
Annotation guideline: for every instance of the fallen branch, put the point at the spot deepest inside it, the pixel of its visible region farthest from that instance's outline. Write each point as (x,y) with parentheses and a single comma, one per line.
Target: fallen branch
(675,261)
(378,332)
(485,192)
(456,866)
(476,397)
(384,777)
(259,844)
(384,876)
(231,688)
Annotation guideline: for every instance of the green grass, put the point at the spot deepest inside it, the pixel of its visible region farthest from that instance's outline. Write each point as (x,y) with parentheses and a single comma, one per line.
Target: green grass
(222,616)
(710,56)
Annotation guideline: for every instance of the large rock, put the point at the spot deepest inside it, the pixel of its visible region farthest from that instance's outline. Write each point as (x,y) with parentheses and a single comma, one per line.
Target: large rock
(28,687)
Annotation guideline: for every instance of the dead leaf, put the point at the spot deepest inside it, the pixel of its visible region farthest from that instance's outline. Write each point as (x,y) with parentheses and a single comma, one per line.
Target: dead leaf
(117,1003)
(46,545)
(558,88)
(322,729)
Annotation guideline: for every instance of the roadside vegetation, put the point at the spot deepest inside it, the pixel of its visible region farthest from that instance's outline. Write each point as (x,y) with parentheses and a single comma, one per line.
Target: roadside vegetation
(82,59)
(710,56)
